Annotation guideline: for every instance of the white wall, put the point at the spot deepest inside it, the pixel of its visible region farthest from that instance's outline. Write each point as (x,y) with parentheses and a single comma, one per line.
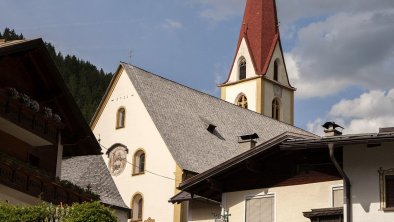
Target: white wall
(121,215)
(286,95)
(248,88)
(285,99)
(282,75)
(203,211)
(139,132)
(361,164)
(290,201)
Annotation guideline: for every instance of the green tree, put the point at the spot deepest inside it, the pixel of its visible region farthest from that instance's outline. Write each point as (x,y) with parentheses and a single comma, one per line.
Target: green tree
(44,212)
(86,83)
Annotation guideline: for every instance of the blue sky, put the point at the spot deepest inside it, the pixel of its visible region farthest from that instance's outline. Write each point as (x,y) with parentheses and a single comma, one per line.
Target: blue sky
(340,55)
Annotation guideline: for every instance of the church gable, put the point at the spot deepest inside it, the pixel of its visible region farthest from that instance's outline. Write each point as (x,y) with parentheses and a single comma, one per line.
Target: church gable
(134,148)
(276,69)
(243,62)
(123,119)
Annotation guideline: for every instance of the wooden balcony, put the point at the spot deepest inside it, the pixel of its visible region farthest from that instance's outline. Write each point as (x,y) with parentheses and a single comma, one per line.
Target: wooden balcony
(33,119)
(33,182)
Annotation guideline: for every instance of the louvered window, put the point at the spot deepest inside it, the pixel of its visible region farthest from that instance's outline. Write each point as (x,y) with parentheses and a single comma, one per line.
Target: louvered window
(337,196)
(260,209)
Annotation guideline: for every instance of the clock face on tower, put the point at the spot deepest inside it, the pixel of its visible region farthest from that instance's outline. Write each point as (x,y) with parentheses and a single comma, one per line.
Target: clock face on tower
(117,160)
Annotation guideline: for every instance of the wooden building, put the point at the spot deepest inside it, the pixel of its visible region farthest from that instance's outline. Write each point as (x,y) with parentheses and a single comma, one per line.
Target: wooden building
(40,124)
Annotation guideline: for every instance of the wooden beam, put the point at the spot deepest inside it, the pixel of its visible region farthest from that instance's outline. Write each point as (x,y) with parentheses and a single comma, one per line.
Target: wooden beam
(215,185)
(253,166)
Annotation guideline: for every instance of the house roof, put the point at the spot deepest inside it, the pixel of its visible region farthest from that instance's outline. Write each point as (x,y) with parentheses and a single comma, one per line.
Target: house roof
(27,66)
(324,212)
(91,171)
(182,116)
(185,196)
(369,139)
(263,166)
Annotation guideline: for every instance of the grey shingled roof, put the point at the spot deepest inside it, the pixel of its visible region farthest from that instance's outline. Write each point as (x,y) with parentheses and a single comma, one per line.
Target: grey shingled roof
(92,170)
(182,116)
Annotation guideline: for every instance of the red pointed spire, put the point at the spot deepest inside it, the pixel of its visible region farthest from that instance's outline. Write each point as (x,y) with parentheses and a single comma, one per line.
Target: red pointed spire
(260,30)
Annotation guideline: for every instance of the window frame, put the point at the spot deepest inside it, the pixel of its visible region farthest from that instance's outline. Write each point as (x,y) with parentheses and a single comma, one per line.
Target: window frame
(242,64)
(383,191)
(334,188)
(276,70)
(267,195)
(239,97)
(276,110)
(140,209)
(136,166)
(118,112)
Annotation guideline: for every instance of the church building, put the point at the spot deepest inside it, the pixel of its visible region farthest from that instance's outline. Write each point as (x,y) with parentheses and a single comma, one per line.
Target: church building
(156,133)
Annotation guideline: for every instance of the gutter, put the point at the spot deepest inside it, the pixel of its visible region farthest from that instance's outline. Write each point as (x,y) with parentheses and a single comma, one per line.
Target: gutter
(347,184)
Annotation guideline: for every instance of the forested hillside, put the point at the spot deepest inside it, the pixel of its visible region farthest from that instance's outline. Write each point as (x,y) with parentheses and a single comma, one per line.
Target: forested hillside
(86,83)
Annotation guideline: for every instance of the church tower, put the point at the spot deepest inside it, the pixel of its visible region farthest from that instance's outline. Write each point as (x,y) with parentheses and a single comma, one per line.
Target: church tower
(258,77)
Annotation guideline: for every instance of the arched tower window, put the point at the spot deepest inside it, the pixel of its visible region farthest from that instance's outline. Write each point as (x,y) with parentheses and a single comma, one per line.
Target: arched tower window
(120,118)
(242,101)
(242,68)
(275,109)
(139,162)
(137,204)
(276,70)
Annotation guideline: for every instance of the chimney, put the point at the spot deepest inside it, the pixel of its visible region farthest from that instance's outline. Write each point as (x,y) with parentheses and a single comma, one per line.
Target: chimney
(248,141)
(331,129)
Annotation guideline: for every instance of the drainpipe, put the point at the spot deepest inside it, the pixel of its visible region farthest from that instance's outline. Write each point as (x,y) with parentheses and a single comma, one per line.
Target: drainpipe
(348,201)
(59,155)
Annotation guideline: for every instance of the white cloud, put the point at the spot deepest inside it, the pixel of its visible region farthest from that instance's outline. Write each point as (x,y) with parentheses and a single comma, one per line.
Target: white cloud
(346,49)
(337,44)
(220,73)
(365,114)
(171,24)
(219,10)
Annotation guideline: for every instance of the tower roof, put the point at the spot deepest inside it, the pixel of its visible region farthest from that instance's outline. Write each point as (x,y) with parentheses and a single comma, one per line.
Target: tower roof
(260,30)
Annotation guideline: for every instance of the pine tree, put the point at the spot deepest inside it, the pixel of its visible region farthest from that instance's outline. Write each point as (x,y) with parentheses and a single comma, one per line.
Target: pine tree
(86,83)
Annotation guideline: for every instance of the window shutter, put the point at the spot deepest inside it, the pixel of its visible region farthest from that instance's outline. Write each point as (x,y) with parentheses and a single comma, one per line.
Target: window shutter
(260,209)
(337,197)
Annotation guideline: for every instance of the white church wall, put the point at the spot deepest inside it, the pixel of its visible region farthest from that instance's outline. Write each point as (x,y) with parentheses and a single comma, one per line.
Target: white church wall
(285,97)
(273,90)
(243,51)
(282,76)
(248,88)
(139,133)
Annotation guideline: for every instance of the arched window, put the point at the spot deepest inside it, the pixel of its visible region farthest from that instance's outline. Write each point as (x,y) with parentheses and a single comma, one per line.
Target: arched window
(276,70)
(242,68)
(275,109)
(242,101)
(120,118)
(139,162)
(137,204)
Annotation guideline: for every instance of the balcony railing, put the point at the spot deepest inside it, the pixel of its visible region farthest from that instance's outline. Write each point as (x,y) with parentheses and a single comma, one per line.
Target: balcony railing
(29,180)
(19,109)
